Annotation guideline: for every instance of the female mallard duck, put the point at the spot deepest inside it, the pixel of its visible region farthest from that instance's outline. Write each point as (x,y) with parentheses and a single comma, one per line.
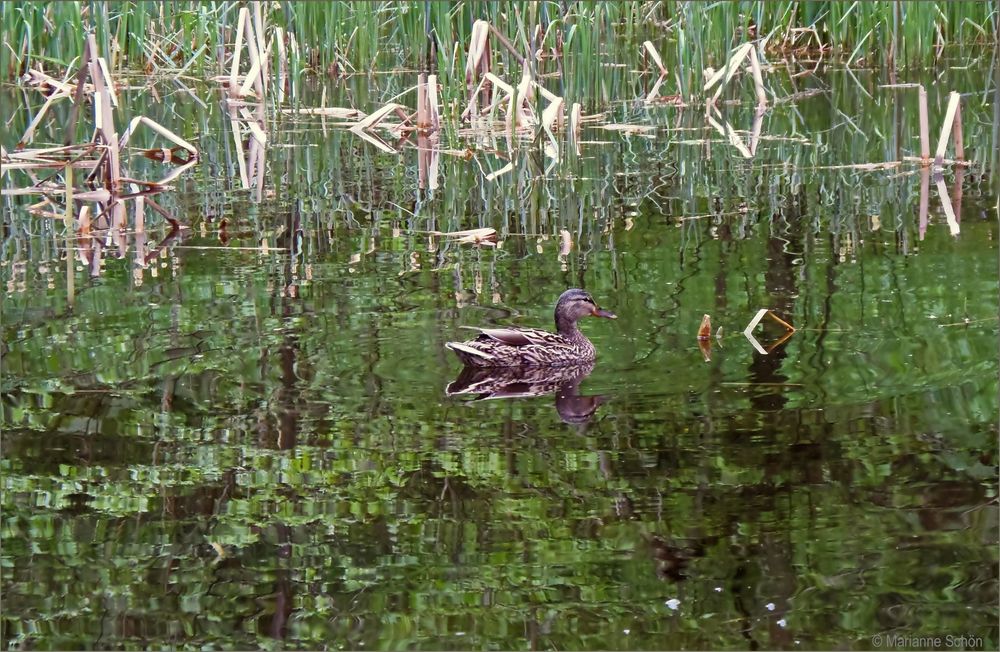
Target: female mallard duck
(532,347)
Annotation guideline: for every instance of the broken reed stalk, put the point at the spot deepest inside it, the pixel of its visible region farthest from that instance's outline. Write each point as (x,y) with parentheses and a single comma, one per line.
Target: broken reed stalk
(259,27)
(258,60)
(160,129)
(781,321)
(68,217)
(575,118)
(237,50)
(951,127)
(432,102)
(377,116)
(70,275)
(727,131)
(422,118)
(722,76)
(105,170)
(478,61)
(504,41)
(84,228)
(728,71)
(766,312)
(428,158)
(758,79)
(957,135)
(952,123)
(553,114)
(279,35)
(105,125)
(925,140)
(30,131)
(655,56)
(74,114)
(655,90)
(748,331)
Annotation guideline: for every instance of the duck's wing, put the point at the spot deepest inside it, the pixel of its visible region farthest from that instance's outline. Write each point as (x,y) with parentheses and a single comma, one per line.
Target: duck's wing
(522,336)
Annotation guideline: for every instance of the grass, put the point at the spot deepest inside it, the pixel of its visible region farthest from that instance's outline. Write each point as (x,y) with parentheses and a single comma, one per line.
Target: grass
(336,37)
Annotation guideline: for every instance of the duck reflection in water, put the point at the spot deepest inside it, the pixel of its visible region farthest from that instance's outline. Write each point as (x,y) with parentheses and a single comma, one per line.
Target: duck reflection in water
(523,382)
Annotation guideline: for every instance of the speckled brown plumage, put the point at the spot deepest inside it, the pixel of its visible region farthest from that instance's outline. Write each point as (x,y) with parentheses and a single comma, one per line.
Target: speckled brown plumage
(532,347)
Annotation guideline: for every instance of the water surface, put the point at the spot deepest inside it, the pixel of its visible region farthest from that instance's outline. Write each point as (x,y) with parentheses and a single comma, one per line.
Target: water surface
(237,435)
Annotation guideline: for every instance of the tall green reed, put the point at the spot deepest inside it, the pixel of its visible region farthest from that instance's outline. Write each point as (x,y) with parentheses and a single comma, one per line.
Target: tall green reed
(596,43)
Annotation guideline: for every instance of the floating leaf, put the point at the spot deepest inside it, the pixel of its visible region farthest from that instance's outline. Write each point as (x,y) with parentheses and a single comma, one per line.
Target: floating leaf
(705,330)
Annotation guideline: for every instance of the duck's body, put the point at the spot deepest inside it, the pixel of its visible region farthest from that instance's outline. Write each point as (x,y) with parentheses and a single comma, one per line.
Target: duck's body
(533,347)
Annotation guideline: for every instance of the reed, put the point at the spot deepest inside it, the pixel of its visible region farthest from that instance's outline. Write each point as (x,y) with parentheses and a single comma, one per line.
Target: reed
(105,180)
(351,37)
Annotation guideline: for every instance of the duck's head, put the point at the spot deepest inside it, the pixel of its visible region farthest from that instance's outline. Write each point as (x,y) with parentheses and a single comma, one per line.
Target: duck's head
(575,304)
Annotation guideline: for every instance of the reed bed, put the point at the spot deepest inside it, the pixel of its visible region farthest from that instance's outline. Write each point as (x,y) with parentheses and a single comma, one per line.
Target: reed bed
(84,185)
(535,68)
(489,79)
(358,37)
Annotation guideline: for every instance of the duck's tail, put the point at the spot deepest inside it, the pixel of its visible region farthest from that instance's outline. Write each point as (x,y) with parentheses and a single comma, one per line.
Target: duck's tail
(470,355)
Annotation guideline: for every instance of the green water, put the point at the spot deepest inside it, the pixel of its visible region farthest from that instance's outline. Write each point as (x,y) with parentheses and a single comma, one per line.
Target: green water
(219,446)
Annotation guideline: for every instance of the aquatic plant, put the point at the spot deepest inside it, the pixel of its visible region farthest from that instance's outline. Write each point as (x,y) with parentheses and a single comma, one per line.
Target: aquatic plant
(565,39)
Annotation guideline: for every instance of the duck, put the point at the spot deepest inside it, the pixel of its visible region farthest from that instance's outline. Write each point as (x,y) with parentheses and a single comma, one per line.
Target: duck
(534,347)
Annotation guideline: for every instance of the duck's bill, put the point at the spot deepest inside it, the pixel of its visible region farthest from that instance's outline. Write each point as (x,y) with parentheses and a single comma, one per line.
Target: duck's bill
(607,314)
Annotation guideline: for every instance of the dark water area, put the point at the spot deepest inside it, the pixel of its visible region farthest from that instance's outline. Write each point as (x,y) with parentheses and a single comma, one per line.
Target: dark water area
(237,434)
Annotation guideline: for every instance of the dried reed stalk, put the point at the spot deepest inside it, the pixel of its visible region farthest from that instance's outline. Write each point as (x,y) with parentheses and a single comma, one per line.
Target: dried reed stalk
(575,119)
(758,79)
(49,101)
(948,128)
(423,120)
(158,128)
(504,41)
(432,102)
(477,62)
(726,72)
(68,217)
(279,35)
(372,120)
(553,114)
(655,56)
(105,126)
(74,115)
(925,140)
(330,112)
(655,90)
(254,126)
(769,313)
(259,29)
(237,50)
